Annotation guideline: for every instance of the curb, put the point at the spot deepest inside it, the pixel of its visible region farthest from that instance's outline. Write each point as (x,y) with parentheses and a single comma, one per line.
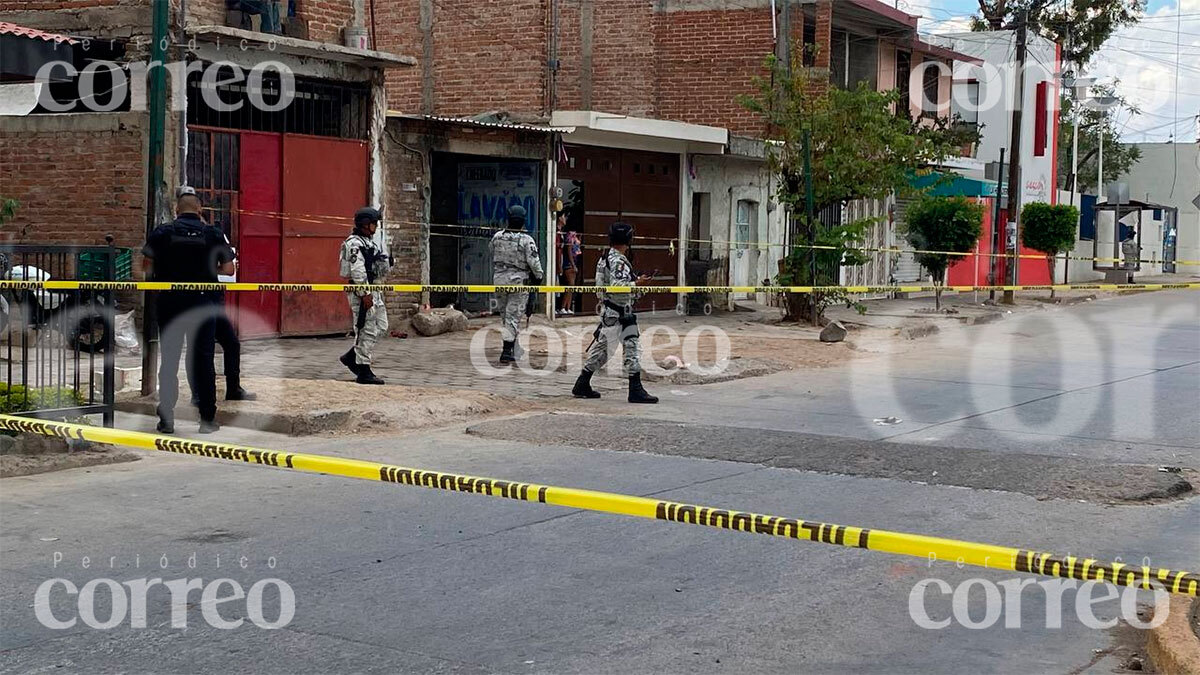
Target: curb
(1172,646)
(293,425)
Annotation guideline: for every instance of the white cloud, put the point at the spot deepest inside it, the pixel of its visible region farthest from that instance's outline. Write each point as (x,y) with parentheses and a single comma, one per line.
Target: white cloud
(1143,58)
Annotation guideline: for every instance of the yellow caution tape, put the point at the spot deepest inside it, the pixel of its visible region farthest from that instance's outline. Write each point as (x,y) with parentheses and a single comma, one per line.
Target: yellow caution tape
(900,543)
(488,288)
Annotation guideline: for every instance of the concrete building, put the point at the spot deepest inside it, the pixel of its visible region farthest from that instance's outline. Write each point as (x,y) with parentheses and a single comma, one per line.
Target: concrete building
(985,95)
(1167,179)
(649,90)
(1169,174)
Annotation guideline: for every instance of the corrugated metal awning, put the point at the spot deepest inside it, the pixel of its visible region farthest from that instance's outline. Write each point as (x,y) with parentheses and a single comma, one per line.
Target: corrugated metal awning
(471,122)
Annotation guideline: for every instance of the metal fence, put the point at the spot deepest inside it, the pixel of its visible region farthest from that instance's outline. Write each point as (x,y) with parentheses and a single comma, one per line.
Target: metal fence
(56,347)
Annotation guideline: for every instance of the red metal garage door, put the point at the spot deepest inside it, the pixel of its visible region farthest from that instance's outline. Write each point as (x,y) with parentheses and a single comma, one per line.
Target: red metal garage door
(259,231)
(324,182)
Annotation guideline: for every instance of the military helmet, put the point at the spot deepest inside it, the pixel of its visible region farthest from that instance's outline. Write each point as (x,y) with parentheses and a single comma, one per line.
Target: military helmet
(366,215)
(516,217)
(620,234)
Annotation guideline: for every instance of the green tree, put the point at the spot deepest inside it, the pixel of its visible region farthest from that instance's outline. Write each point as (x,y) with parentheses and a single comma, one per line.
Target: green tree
(1080,26)
(859,148)
(1049,228)
(944,224)
(1095,122)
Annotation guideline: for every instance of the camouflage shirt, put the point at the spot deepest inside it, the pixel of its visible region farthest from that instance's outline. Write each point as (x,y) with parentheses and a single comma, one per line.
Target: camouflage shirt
(614,269)
(514,258)
(356,250)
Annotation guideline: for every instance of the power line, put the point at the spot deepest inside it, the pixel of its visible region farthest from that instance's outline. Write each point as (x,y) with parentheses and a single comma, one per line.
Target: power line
(1175,129)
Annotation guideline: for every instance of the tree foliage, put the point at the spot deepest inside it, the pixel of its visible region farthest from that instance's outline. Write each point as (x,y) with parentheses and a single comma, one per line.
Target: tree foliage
(1080,26)
(946,225)
(1049,228)
(860,149)
(1095,122)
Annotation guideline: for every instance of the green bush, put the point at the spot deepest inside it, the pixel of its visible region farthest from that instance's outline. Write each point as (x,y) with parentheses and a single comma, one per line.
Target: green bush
(15,398)
(947,225)
(1049,228)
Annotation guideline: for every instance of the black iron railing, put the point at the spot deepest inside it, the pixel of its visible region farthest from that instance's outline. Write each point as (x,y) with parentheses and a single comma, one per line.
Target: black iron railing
(57,354)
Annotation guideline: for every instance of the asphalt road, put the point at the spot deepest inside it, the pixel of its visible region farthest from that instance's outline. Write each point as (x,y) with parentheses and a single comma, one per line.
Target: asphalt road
(388,578)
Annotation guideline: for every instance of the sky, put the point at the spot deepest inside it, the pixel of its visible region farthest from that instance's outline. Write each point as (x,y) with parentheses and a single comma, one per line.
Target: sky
(1142,57)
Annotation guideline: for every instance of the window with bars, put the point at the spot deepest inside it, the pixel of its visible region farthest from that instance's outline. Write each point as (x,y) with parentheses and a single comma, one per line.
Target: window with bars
(212,170)
(309,106)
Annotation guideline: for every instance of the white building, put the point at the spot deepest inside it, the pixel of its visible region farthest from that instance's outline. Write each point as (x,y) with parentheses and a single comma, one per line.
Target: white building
(984,95)
(1169,174)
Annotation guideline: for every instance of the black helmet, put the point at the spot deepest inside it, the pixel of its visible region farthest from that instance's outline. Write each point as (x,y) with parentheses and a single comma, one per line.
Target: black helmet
(366,215)
(516,217)
(620,234)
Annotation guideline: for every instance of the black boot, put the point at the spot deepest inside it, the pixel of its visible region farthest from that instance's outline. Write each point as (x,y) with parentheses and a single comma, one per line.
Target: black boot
(209,426)
(165,426)
(637,393)
(583,386)
(348,360)
(507,355)
(365,376)
(240,394)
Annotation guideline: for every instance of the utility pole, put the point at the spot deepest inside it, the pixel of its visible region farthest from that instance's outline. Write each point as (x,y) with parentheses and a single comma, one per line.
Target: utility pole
(1014,162)
(783,39)
(155,199)
(809,215)
(996,229)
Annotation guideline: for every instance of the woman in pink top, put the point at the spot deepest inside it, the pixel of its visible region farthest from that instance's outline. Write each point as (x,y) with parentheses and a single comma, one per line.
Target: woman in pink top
(571,249)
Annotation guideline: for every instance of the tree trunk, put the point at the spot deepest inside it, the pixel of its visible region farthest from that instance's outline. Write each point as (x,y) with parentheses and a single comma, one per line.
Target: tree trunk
(1050,264)
(802,308)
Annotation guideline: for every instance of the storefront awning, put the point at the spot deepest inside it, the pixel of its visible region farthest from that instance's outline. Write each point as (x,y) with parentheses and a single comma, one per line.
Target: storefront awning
(947,184)
(483,124)
(640,133)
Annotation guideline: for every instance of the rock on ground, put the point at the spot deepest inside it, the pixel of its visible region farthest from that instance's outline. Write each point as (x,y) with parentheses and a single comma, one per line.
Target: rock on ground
(834,332)
(439,321)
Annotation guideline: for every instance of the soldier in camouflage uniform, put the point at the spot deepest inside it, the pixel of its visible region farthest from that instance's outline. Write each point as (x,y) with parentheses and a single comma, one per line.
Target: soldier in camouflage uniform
(364,262)
(618,322)
(514,262)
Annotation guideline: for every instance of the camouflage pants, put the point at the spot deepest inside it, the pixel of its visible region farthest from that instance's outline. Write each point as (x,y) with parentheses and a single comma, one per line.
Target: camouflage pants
(374,326)
(608,334)
(511,307)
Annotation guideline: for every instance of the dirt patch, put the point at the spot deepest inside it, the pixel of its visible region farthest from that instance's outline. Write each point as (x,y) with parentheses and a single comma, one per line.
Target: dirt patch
(305,407)
(735,352)
(29,454)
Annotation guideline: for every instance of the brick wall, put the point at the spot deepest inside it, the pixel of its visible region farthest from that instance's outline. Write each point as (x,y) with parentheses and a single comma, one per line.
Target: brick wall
(568,95)
(486,56)
(327,18)
(623,76)
(77,177)
(705,59)
(398,30)
(404,215)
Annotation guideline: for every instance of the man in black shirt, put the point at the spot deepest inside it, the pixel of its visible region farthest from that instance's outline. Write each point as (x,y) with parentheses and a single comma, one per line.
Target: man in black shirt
(187,250)
(231,346)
